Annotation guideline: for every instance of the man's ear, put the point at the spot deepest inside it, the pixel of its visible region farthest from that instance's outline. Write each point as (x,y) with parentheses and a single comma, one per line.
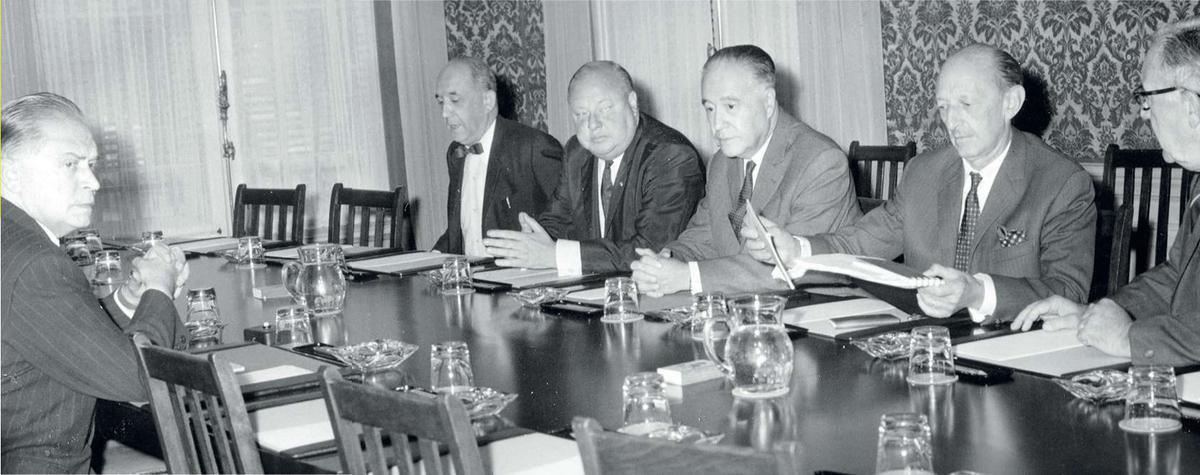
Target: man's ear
(633,101)
(772,104)
(1191,107)
(489,99)
(10,176)
(1014,98)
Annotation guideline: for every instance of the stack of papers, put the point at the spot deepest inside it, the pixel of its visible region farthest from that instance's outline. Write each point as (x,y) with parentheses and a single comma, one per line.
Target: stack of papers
(816,318)
(520,278)
(294,252)
(291,426)
(404,263)
(532,454)
(1050,353)
(870,269)
(212,244)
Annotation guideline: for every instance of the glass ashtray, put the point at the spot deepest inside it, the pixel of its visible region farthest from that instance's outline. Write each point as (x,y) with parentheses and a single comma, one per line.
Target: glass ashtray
(887,346)
(1100,386)
(485,402)
(538,295)
(433,276)
(680,316)
(375,354)
(231,256)
(682,434)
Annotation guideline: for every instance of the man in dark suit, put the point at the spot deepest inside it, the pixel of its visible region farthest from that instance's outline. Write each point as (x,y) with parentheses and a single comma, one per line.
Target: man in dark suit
(628,181)
(784,168)
(1001,217)
(498,168)
(63,349)
(1155,319)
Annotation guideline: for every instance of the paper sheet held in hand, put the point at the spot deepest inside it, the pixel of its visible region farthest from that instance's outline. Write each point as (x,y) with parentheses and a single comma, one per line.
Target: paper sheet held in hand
(880,271)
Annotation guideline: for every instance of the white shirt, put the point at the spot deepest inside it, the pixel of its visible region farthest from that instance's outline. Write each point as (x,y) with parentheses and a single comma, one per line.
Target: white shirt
(474,179)
(987,305)
(567,255)
(757,158)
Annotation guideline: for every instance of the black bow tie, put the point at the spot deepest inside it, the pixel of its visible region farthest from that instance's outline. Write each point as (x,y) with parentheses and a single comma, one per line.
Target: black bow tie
(461,150)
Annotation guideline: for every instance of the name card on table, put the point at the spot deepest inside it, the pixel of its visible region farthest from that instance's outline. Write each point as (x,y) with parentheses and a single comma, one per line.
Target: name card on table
(1049,353)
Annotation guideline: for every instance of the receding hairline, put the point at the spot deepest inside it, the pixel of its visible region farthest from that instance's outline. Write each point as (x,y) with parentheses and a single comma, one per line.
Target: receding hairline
(24,120)
(1004,69)
(477,69)
(607,73)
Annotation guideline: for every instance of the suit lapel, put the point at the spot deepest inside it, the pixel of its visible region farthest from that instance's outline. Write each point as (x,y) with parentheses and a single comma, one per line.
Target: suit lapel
(631,159)
(774,164)
(497,171)
(950,208)
(1003,197)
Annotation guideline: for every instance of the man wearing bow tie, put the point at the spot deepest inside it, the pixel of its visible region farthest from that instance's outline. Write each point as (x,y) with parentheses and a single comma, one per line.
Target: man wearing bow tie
(998,215)
(498,168)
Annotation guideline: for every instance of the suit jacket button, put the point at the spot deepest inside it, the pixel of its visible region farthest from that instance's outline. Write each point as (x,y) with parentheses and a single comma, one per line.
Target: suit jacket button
(1149,354)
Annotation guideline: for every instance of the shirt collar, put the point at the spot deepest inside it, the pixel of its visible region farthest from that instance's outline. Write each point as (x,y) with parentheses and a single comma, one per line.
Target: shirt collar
(757,156)
(990,171)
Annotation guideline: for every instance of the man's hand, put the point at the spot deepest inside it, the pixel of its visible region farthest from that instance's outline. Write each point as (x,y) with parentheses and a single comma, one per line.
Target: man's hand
(1055,312)
(757,245)
(531,247)
(958,290)
(657,275)
(161,268)
(1105,325)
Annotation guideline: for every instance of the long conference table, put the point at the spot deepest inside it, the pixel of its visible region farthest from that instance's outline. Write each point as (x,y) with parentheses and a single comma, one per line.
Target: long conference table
(561,367)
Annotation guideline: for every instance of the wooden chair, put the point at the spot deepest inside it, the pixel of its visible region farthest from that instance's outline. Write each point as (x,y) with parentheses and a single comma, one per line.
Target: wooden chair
(1139,166)
(275,205)
(374,412)
(385,206)
(871,165)
(612,453)
(198,411)
(1119,249)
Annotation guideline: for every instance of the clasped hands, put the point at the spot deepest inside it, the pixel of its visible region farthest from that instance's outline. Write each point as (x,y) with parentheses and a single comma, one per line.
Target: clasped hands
(531,247)
(1103,324)
(958,289)
(161,268)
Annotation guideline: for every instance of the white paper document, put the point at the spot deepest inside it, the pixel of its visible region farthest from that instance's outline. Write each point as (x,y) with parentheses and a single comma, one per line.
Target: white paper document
(270,374)
(530,454)
(406,263)
(521,278)
(1050,353)
(293,425)
(208,245)
(294,252)
(1189,387)
(870,269)
(816,318)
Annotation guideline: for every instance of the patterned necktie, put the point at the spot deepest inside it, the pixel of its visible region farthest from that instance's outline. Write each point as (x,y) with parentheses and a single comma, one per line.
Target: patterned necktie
(966,232)
(606,185)
(739,211)
(461,151)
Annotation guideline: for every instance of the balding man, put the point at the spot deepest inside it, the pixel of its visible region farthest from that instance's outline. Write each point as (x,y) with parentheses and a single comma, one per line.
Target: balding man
(785,169)
(498,168)
(1001,217)
(628,181)
(1156,318)
(63,349)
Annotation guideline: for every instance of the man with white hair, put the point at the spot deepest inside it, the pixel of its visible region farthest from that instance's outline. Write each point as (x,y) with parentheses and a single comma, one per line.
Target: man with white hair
(1156,318)
(63,348)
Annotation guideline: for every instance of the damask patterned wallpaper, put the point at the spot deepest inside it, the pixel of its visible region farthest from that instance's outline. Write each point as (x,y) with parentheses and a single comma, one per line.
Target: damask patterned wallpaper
(510,36)
(1084,57)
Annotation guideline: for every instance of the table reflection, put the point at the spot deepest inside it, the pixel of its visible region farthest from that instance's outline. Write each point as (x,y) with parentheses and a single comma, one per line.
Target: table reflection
(762,423)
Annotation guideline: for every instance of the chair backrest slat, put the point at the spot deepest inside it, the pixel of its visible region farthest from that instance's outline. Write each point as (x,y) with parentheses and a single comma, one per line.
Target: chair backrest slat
(1148,243)
(1118,266)
(379,206)
(432,419)
(198,398)
(283,209)
(872,166)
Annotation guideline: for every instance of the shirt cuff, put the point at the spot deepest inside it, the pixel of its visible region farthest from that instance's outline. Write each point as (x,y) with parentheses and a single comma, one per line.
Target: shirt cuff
(123,305)
(694,272)
(803,247)
(988,306)
(567,257)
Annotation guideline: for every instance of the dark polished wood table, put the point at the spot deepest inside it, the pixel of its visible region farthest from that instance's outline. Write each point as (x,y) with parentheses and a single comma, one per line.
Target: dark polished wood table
(562,367)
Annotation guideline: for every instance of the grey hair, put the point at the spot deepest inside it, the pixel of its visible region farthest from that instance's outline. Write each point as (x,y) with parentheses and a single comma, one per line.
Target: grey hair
(760,63)
(22,118)
(1178,52)
(481,73)
(1008,70)
(610,70)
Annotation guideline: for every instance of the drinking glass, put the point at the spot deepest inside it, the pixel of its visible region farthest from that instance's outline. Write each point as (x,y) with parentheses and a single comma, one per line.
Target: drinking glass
(931,358)
(758,354)
(904,445)
(646,408)
(1152,405)
(108,268)
(204,323)
(78,251)
(292,327)
(705,306)
(450,367)
(250,253)
(456,276)
(92,237)
(149,239)
(620,301)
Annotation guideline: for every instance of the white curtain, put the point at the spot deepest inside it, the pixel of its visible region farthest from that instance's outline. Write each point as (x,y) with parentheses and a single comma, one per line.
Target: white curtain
(305,95)
(142,71)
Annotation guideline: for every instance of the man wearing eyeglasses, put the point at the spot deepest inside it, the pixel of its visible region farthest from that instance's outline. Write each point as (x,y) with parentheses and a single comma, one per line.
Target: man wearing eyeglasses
(999,216)
(1156,318)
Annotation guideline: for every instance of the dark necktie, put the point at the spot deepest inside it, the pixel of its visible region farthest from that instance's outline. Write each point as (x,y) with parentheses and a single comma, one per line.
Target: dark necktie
(966,232)
(461,151)
(739,210)
(606,185)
